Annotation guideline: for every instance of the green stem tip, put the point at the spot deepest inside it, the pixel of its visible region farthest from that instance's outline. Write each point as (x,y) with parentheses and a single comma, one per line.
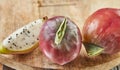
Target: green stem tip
(93,49)
(60,32)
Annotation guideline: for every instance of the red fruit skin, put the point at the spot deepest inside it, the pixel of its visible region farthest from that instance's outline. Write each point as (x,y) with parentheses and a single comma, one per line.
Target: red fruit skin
(70,46)
(103,28)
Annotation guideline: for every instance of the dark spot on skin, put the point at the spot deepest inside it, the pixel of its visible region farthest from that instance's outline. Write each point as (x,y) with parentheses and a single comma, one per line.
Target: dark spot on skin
(35,21)
(20,47)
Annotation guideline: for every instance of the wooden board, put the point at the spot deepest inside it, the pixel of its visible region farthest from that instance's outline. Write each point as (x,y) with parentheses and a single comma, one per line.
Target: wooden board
(16,13)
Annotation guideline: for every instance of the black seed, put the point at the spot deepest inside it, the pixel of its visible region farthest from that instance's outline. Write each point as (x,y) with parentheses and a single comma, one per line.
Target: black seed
(26,43)
(14,44)
(16,34)
(20,47)
(24,30)
(21,33)
(33,35)
(8,41)
(10,38)
(35,21)
(33,42)
(10,46)
(28,31)
(27,34)
(37,38)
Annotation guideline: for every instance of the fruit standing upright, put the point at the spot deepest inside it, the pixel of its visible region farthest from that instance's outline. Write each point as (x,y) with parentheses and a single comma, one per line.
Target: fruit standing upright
(101,32)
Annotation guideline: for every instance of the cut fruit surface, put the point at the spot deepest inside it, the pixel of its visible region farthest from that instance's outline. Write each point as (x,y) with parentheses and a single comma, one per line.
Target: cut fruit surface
(22,40)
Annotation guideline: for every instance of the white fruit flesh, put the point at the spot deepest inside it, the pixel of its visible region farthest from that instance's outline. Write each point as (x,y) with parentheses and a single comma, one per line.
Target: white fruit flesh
(23,38)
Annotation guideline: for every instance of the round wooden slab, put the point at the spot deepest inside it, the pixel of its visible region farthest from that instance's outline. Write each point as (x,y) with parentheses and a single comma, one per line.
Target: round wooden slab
(15,14)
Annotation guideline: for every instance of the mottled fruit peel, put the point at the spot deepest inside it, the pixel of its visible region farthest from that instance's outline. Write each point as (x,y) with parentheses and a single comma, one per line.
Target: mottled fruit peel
(60,40)
(102,29)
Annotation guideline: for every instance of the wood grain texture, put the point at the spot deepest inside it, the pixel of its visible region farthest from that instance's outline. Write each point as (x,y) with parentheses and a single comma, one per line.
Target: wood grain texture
(16,13)
(1,66)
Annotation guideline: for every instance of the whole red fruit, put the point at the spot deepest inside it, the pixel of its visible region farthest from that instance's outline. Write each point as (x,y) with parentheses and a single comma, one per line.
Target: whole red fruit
(102,29)
(70,45)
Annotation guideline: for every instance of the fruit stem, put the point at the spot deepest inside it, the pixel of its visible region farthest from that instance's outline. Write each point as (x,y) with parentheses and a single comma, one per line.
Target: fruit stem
(45,18)
(93,49)
(60,32)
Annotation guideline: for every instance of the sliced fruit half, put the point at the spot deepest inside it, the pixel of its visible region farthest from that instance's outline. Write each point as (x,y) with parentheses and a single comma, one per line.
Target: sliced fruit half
(23,40)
